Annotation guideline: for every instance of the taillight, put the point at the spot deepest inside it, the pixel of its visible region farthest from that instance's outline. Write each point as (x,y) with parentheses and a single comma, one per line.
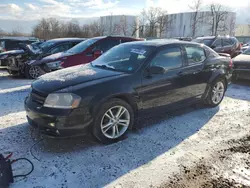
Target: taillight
(231,63)
(4,50)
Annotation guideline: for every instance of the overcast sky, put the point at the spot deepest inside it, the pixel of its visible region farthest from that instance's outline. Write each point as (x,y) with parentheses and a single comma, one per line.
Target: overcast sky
(23,14)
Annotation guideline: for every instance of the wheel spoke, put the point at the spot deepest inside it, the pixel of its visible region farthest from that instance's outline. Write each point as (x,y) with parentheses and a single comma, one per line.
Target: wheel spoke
(123,122)
(111,113)
(120,112)
(117,130)
(107,127)
(113,131)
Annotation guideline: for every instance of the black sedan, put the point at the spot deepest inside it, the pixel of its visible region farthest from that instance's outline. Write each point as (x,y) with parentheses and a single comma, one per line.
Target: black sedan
(242,65)
(128,81)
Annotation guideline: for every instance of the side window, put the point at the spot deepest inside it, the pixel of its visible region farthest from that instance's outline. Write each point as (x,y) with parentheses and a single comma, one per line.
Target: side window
(60,48)
(169,58)
(11,44)
(217,43)
(227,42)
(105,45)
(195,54)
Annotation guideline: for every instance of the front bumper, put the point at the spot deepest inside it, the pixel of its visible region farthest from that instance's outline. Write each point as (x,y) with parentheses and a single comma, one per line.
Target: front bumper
(57,122)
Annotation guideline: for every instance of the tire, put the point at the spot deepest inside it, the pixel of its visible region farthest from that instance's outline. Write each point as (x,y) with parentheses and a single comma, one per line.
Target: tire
(104,127)
(28,72)
(218,88)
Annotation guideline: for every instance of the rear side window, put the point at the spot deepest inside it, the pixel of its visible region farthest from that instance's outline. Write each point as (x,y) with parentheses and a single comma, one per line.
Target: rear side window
(169,58)
(217,43)
(195,54)
(227,42)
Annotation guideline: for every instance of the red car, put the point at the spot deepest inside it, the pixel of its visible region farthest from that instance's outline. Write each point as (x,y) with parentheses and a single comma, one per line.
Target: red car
(221,44)
(82,53)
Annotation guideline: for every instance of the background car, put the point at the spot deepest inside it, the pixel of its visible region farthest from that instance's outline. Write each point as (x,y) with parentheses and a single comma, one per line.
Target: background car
(12,44)
(82,53)
(221,44)
(156,76)
(242,65)
(19,64)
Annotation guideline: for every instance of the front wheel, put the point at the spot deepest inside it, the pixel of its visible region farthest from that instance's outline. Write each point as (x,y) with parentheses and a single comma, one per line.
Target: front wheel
(32,72)
(216,93)
(113,121)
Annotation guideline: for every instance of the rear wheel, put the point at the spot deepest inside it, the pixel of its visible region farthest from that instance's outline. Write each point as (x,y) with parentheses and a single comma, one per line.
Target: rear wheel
(113,121)
(216,93)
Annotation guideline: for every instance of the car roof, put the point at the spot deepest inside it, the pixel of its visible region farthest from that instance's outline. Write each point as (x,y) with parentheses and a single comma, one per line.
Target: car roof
(161,42)
(66,39)
(207,37)
(113,36)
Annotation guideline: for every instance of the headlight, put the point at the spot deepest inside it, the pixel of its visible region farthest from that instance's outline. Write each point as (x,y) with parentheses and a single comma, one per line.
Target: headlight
(55,64)
(62,100)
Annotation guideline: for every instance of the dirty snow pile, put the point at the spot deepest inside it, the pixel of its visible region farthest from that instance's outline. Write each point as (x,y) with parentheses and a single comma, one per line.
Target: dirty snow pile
(193,147)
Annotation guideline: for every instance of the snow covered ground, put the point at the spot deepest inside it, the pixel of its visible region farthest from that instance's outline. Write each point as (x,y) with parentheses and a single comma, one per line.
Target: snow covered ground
(193,147)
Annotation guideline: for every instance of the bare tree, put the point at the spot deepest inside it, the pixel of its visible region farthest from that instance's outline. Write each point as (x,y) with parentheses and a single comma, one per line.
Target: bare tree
(219,15)
(196,18)
(151,16)
(163,22)
(97,28)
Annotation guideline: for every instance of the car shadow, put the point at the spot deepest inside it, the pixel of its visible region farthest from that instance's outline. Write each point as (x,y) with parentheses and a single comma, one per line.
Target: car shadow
(239,90)
(86,163)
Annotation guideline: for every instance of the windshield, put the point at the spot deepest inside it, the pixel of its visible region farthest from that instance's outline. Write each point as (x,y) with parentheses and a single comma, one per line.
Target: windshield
(247,51)
(46,45)
(207,42)
(124,58)
(82,46)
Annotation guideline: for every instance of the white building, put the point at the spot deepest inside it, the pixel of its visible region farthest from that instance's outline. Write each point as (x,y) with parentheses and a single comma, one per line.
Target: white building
(242,30)
(181,24)
(123,25)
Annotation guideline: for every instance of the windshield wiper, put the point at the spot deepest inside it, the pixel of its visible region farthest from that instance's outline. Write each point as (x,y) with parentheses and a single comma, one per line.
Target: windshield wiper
(104,66)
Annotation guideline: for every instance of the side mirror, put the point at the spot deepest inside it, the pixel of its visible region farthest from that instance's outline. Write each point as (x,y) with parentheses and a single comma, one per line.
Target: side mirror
(97,53)
(156,70)
(213,46)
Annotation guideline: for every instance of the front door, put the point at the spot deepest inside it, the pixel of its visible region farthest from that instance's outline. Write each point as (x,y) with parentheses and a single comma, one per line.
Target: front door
(161,90)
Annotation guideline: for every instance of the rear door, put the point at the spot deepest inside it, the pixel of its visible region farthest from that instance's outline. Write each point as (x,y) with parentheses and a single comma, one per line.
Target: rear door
(228,45)
(194,74)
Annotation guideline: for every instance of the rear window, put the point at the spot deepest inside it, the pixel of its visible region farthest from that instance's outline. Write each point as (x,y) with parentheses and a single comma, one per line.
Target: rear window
(207,42)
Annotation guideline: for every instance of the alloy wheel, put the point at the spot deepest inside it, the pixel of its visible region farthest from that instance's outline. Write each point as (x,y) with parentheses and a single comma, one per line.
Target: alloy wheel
(218,92)
(115,122)
(34,71)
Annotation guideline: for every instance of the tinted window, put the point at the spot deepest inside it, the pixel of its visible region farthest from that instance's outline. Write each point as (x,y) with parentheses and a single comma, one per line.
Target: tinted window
(169,58)
(11,44)
(227,42)
(217,43)
(195,54)
(60,48)
(125,57)
(105,45)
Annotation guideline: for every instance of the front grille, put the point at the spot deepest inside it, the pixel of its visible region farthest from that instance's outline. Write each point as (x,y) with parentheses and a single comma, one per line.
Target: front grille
(37,96)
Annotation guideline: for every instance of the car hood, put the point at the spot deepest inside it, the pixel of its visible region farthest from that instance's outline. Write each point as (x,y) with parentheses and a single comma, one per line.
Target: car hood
(72,76)
(47,59)
(242,58)
(11,52)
